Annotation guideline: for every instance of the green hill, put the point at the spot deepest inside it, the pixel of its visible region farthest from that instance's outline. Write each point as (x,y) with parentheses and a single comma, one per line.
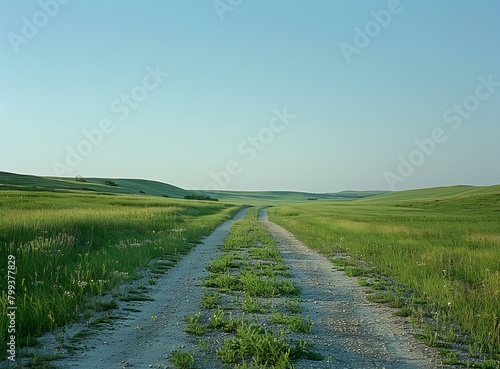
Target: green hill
(460,198)
(284,197)
(154,188)
(469,197)
(123,186)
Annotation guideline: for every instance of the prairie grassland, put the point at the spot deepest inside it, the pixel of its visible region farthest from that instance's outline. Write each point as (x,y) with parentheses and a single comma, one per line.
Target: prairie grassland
(70,247)
(444,249)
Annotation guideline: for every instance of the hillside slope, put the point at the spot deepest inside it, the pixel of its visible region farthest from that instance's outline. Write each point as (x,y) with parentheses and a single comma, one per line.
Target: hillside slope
(460,198)
(123,186)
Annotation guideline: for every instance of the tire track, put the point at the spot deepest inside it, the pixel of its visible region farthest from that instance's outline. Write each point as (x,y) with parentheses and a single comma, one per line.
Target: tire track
(349,331)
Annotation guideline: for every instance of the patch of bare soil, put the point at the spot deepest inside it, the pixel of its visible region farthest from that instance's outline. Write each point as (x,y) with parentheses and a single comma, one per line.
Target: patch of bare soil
(349,331)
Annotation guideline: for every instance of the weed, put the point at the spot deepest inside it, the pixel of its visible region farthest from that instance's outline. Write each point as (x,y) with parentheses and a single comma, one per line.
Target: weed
(404,311)
(292,306)
(193,325)
(217,320)
(252,305)
(265,253)
(304,349)
(182,360)
(294,322)
(430,336)
(222,264)
(209,300)
(225,282)
(101,306)
(354,271)
(253,344)
(134,297)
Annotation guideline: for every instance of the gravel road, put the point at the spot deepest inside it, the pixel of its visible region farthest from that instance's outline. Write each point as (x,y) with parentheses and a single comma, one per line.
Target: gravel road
(349,331)
(146,338)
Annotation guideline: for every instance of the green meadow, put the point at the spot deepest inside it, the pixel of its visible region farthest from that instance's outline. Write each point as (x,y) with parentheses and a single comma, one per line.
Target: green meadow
(440,248)
(70,248)
(434,254)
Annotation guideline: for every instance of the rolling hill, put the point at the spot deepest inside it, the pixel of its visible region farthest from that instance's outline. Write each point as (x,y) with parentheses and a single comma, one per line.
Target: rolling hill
(469,196)
(459,198)
(123,186)
(154,188)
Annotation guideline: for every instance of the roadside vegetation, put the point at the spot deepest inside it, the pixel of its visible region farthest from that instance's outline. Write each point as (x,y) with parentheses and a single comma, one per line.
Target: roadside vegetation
(433,254)
(71,249)
(250,312)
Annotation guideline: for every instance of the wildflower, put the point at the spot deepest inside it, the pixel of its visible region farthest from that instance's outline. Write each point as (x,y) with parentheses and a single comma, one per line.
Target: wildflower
(69,294)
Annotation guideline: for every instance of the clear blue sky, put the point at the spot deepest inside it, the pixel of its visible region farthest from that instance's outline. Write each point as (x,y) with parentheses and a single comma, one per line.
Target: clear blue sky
(189,92)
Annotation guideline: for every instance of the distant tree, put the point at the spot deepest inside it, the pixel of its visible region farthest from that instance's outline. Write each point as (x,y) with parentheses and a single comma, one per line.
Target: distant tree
(79,178)
(200,197)
(110,183)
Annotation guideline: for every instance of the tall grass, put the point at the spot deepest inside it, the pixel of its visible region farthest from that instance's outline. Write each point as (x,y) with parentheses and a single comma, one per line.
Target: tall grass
(446,251)
(72,246)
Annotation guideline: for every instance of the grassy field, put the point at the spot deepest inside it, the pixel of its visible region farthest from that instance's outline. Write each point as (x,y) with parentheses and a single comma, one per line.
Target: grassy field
(442,245)
(92,185)
(433,253)
(68,247)
(266,198)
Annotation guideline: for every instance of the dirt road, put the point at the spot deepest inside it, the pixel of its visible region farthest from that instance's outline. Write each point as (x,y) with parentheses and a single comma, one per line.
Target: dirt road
(146,338)
(349,331)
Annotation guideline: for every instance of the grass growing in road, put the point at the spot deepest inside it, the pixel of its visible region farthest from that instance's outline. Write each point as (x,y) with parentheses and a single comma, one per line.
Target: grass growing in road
(295,322)
(265,348)
(182,360)
(443,245)
(244,282)
(69,247)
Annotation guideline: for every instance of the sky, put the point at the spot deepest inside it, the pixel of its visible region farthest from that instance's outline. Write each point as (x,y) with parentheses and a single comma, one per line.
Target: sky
(299,95)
